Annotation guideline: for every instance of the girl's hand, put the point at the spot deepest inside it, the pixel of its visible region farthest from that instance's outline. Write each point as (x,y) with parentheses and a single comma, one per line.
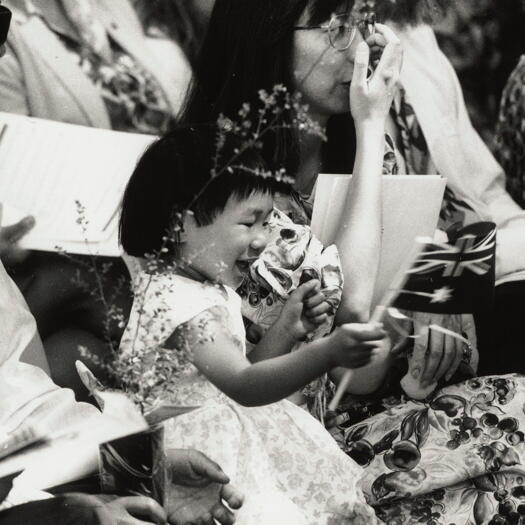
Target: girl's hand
(305,310)
(352,345)
(370,100)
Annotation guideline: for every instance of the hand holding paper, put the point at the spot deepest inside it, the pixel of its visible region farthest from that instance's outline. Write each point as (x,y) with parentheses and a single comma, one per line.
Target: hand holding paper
(47,168)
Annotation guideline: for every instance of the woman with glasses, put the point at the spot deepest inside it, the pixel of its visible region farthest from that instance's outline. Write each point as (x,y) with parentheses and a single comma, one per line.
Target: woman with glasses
(424,461)
(248,48)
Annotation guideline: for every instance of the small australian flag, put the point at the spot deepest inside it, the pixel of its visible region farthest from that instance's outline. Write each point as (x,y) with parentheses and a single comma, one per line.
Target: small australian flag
(453,278)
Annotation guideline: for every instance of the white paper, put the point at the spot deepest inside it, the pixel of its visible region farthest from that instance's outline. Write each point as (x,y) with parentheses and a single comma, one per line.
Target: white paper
(410,208)
(71,451)
(46,166)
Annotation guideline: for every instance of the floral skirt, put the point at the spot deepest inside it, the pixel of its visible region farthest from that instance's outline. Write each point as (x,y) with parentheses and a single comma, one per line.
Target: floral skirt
(283,460)
(457,458)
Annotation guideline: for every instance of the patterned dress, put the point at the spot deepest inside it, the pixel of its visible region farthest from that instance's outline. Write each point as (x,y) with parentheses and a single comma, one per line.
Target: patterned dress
(276,454)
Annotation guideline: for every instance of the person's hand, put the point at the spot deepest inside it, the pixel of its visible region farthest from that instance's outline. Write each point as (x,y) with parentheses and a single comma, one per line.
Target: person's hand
(132,510)
(200,491)
(352,345)
(304,311)
(92,510)
(371,99)
(10,252)
(435,355)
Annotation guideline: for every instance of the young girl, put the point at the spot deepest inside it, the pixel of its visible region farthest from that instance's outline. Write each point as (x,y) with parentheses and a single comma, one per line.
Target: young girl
(273,450)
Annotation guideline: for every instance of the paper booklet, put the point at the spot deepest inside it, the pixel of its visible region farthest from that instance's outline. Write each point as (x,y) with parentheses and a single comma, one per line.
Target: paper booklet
(411,206)
(47,166)
(48,454)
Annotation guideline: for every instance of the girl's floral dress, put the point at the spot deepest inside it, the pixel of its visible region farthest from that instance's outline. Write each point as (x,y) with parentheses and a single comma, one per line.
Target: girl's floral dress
(278,455)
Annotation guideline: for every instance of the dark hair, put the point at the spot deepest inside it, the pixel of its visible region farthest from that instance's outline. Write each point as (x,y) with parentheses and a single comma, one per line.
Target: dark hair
(174,175)
(411,12)
(248,47)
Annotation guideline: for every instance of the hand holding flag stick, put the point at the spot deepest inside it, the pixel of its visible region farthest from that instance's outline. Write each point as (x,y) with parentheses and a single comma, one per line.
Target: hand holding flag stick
(441,278)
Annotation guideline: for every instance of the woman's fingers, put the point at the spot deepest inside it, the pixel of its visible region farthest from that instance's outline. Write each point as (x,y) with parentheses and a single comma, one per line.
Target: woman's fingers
(376,40)
(435,350)
(143,507)
(386,33)
(449,356)
(457,360)
(232,496)
(206,468)
(362,56)
(390,63)
(223,515)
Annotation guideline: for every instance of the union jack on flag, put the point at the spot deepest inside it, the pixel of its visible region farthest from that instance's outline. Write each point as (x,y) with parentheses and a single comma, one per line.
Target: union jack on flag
(455,277)
(469,253)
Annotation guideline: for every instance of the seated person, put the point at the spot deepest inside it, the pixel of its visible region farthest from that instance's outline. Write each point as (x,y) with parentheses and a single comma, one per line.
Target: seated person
(87,63)
(23,387)
(510,133)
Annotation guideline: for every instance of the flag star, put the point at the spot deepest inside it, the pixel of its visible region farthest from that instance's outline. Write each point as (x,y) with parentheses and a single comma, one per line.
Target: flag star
(442,295)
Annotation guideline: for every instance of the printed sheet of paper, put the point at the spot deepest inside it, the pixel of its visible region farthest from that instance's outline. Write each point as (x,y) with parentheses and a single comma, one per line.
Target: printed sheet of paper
(71,436)
(47,167)
(411,205)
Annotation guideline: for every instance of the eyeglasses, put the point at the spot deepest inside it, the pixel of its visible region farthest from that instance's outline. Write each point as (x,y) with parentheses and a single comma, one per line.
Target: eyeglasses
(341,30)
(5,22)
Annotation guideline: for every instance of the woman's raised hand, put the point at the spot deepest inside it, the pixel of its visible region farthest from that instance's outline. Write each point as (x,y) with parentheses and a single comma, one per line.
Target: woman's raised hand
(371,98)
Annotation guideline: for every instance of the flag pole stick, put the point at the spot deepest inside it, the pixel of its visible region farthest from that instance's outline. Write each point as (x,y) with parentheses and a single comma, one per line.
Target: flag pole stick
(379,311)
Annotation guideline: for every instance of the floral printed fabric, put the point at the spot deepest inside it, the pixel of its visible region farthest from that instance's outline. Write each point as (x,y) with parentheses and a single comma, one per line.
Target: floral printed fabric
(267,450)
(510,134)
(418,161)
(134,100)
(292,254)
(458,457)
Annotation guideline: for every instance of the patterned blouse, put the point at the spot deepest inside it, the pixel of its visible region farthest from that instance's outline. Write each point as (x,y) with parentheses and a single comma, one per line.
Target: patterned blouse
(134,100)
(510,134)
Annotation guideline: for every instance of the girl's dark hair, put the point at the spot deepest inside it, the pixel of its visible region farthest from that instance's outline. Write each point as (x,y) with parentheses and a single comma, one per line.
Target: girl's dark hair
(248,47)
(174,175)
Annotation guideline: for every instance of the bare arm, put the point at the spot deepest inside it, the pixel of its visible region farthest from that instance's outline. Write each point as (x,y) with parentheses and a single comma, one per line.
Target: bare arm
(219,357)
(359,236)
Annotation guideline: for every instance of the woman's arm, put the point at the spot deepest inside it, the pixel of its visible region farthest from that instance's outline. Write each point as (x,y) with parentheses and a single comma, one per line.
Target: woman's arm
(359,236)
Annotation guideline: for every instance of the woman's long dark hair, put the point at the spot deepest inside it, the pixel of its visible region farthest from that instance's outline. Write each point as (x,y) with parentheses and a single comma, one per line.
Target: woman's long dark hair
(248,47)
